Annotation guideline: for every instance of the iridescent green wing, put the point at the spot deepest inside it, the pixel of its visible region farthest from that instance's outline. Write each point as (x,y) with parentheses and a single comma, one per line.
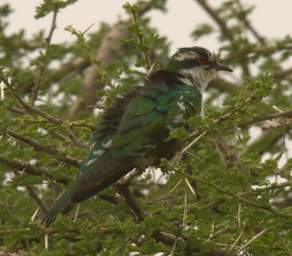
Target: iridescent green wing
(150,116)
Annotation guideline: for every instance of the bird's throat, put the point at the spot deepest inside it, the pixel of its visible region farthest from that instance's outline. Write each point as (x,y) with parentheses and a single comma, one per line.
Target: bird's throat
(192,81)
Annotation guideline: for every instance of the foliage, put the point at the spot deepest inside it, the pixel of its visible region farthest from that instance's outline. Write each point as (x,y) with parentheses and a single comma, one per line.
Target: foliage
(214,198)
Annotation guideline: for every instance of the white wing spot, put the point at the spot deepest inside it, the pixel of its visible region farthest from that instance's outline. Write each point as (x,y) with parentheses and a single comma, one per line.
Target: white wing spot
(107,144)
(98,152)
(181,105)
(92,146)
(90,162)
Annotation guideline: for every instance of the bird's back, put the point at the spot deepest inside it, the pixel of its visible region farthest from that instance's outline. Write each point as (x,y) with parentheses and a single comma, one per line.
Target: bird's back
(134,133)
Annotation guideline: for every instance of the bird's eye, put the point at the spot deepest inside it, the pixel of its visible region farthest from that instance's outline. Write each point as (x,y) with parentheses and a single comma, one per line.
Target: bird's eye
(203,61)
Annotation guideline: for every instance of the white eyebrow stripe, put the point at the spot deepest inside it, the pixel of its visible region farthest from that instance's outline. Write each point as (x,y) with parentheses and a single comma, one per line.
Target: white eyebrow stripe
(185,56)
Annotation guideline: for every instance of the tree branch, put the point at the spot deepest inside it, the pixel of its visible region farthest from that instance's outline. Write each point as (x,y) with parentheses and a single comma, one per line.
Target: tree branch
(109,50)
(46,149)
(220,22)
(42,66)
(284,114)
(248,25)
(170,239)
(31,169)
(34,195)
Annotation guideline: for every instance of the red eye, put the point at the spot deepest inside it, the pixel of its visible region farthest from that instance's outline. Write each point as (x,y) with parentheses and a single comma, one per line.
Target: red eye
(203,61)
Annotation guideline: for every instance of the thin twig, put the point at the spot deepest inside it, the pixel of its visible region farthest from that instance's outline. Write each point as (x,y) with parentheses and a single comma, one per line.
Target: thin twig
(249,25)
(228,193)
(140,38)
(197,134)
(57,121)
(34,195)
(221,23)
(193,142)
(43,148)
(170,240)
(250,241)
(223,27)
(31,169)
(71,135)
(235,243)
(42,66)
(284,114)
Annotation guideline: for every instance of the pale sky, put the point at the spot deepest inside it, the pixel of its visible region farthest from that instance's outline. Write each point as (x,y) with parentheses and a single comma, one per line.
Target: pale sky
(272,18)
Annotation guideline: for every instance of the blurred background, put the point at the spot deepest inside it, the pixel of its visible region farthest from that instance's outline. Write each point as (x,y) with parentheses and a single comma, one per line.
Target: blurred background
(269,17)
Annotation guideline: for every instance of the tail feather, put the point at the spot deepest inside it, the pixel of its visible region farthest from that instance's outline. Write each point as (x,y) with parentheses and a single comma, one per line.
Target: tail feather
(62,204)
(98,177)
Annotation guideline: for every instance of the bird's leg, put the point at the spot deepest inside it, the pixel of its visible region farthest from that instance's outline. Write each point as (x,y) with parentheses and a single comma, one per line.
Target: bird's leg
(123,188)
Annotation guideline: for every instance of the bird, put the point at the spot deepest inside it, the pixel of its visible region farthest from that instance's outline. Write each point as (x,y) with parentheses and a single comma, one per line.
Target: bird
(135,131)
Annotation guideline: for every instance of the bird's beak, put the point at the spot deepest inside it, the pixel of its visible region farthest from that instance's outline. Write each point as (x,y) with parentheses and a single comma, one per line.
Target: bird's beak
(221,67)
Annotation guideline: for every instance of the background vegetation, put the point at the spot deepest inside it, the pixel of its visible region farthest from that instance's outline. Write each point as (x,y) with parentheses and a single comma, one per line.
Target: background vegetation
(223,194)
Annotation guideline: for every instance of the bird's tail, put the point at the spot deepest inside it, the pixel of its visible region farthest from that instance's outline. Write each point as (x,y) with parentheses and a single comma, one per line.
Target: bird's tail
(62,204)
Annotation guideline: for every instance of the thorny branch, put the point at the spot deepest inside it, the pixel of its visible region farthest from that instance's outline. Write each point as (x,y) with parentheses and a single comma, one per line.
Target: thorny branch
(140,38)
(197,134)
(42,66)
(237,197)
(42,148)
(284,114)
(108,51)
(170,239)
(31,169)
(34,195)
(45,115)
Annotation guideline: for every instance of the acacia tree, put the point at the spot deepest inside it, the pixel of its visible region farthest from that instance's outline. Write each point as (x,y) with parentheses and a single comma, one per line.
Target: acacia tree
(213,198)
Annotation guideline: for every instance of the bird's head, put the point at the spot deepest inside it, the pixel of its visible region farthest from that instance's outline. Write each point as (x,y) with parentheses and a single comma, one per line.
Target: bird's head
(195,66)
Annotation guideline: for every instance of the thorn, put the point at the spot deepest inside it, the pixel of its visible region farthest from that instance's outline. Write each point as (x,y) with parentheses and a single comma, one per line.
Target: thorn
(46,239)
(151,68)
(240,250)
(185,214)
(86,30)
(190,187)
(193,142)
(2,91)
(34,214)
(239,216)
(175,186)
(76,213)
